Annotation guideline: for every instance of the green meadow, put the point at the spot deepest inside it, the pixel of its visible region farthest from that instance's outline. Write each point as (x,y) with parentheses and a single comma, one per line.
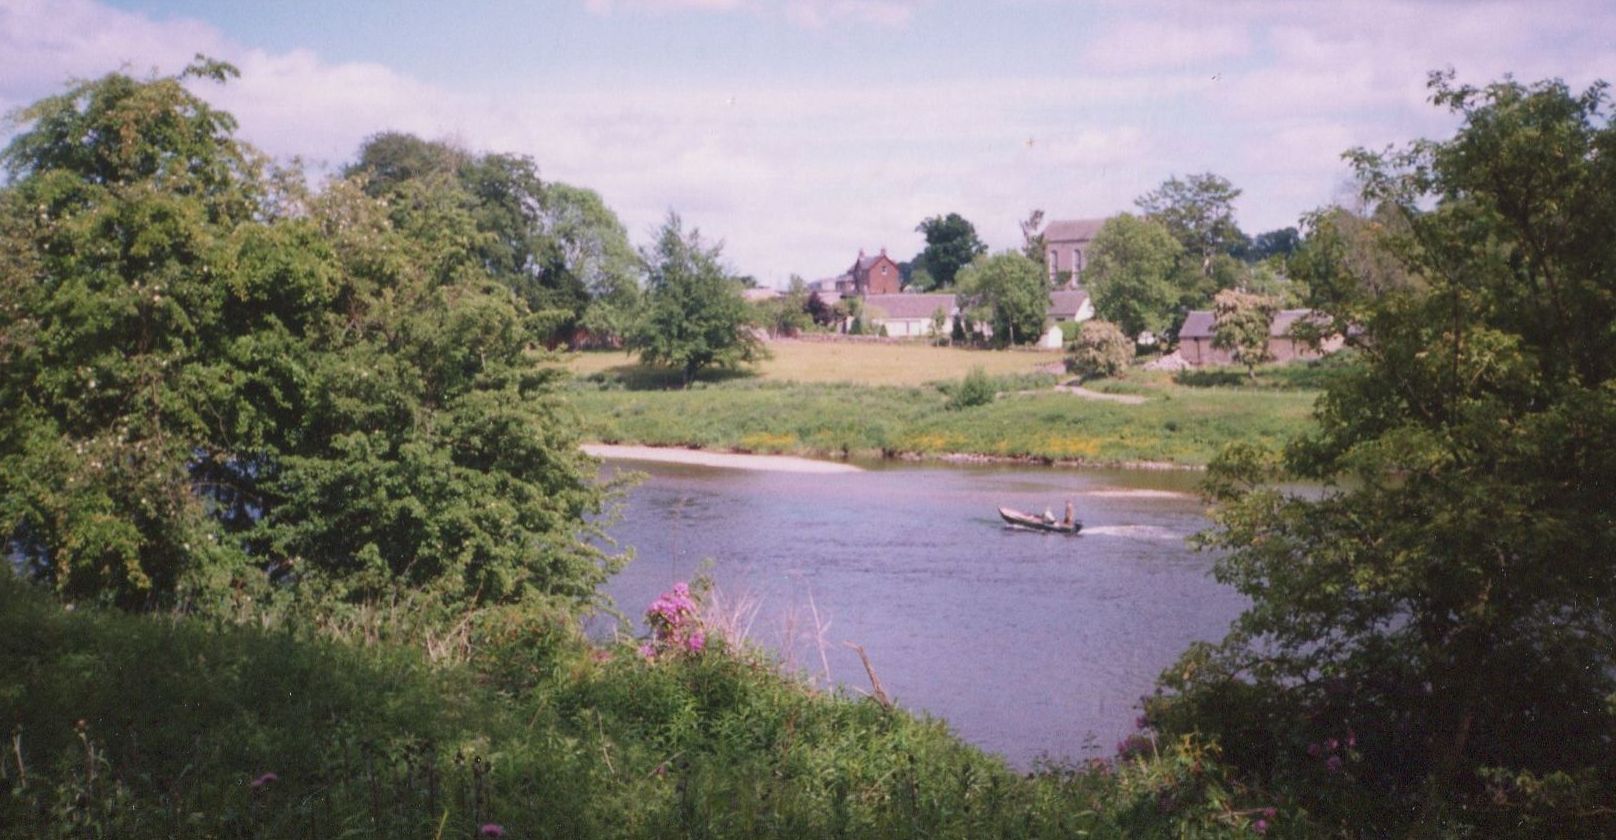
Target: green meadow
(1184,419)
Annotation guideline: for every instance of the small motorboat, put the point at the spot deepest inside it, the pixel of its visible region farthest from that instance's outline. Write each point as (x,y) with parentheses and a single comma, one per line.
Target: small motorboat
(1033,522)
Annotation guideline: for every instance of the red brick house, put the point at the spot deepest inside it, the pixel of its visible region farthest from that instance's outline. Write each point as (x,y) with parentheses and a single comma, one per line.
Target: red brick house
(870,275)
(877,275)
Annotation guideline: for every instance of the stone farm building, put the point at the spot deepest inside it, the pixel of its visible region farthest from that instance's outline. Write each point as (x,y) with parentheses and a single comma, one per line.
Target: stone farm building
(1066,249)
(1195,339)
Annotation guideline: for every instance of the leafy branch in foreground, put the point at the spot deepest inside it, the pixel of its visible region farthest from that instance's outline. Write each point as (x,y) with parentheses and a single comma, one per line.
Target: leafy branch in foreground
(211,378)
(1446,604)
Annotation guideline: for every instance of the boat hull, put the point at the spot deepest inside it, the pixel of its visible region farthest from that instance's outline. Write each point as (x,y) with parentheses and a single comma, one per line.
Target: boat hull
(1030,522)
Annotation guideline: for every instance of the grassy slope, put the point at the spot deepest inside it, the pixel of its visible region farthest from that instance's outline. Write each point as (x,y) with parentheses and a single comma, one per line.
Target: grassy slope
(130,726)
(834,399)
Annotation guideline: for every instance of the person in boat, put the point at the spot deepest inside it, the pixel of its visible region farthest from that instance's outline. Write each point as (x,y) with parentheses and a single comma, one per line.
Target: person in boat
(1071,514)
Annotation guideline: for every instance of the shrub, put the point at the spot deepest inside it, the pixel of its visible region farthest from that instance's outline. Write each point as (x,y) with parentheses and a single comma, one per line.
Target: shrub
(1100,350)
(974,390)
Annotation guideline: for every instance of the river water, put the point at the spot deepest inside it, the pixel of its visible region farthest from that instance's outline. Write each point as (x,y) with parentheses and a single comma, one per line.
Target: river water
(1029,645)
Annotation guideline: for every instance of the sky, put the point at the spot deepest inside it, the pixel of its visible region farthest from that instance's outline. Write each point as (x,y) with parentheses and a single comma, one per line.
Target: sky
(801,131)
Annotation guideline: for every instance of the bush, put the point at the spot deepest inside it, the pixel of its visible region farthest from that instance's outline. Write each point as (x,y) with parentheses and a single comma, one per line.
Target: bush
(974,390)
(1099,350)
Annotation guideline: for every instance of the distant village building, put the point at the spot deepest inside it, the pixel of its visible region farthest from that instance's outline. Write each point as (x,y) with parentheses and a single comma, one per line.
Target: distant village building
(1066,249)
(1070,305)
(909,316)
(1195,338)
(869,275)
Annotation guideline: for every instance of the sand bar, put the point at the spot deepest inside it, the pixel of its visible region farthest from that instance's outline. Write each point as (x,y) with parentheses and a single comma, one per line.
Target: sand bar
(1137,494)
(706,458)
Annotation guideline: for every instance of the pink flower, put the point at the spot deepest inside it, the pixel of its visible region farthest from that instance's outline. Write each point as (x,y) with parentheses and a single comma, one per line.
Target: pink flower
(1333,764)
(696,642)
(491,830)
(264,781)
(648,651)
(1260,826)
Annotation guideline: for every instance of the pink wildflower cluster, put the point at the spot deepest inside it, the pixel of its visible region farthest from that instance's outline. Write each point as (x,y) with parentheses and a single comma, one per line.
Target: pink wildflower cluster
(1330,751)
(675,626)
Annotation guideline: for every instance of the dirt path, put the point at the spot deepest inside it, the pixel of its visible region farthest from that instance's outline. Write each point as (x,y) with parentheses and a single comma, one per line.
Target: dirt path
(1079,390)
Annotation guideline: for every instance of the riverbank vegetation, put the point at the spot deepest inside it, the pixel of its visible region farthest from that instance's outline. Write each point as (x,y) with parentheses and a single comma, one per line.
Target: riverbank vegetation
(153,726)
(1029,420)
(839,399)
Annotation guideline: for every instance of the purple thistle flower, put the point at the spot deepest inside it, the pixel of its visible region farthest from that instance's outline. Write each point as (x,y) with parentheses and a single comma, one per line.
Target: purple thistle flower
(264,781)
(491,830)
(1313,750)
(696,642)
(1333,764)
(1260,826)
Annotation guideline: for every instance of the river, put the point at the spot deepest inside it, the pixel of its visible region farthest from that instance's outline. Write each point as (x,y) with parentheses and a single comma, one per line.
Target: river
(1028,645)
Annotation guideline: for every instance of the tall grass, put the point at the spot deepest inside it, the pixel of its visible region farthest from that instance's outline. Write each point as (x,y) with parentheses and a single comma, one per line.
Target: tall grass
(147,726)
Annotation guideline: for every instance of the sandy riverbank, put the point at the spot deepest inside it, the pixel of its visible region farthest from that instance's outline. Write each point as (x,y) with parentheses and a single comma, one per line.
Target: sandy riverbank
(705,458)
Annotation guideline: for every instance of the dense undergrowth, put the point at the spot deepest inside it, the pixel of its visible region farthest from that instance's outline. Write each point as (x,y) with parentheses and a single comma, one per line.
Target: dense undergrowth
(124,725)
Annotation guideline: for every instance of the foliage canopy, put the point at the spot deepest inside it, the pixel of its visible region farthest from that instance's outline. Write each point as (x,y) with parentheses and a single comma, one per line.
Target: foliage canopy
(951,245)
(1445,607)
(211,378)
(694,315)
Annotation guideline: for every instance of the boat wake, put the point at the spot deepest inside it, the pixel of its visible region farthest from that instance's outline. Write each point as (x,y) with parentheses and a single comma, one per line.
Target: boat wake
(1134,532)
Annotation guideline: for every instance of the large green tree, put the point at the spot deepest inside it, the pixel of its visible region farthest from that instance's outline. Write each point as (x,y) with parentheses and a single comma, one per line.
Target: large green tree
(1198,210)
(1429,646)
(951,244)
(694,315)
(557,246)
(211,379)
(1131,274)
(1013,290)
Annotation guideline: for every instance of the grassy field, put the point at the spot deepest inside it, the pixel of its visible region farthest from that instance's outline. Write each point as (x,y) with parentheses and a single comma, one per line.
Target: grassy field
(838,362)
(868,399)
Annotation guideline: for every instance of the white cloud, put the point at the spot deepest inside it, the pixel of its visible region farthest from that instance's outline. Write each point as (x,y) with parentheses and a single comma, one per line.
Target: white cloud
(780,172)
(1149,45)
(814,14)
(821,13)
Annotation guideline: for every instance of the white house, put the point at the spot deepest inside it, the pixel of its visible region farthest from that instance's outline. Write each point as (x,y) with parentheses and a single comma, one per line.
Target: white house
(909,316)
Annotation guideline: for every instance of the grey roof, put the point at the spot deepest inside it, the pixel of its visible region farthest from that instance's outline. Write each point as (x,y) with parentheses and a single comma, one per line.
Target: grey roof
(1284,319)
(1200,323)
(1066,303)
(1072,230)
(908,306)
